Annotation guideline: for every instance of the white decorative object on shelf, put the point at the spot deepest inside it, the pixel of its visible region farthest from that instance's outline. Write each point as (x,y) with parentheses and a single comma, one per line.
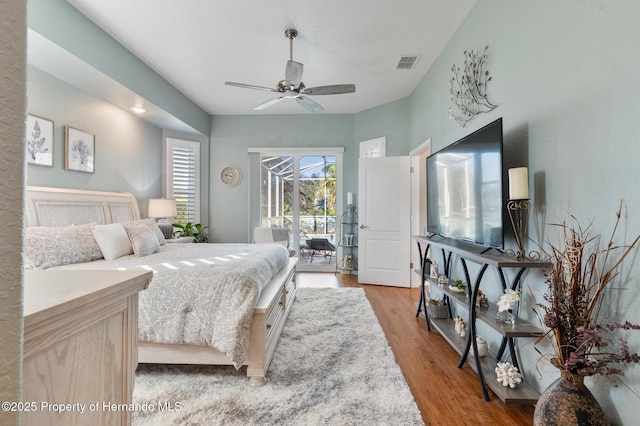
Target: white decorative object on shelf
(506,305)
(482,347)
(456,324)
(460,326)
(507,300)
(508,375)
(434,270)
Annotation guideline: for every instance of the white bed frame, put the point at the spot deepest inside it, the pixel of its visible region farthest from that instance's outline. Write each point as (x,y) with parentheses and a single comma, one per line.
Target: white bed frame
(57,207)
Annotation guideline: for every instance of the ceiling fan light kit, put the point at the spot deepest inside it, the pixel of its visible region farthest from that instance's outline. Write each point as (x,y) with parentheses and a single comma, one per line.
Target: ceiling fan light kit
(292,86)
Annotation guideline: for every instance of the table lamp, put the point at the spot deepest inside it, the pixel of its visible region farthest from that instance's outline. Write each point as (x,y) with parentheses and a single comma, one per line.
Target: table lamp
(163,209)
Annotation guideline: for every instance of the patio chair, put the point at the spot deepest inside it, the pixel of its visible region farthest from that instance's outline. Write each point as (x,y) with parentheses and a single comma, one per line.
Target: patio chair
(273,235)
(321,246)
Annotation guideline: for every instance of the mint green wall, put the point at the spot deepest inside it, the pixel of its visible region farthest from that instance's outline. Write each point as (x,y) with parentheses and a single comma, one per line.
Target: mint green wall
(565,78)
(65,26)
(232,135)
(128,149)
(390,120)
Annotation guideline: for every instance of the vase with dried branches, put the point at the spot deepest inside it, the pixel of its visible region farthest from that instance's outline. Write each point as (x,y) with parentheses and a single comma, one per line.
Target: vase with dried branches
(580,275)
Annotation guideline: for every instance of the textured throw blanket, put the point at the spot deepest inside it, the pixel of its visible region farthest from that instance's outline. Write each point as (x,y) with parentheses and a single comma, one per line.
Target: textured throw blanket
(201,294)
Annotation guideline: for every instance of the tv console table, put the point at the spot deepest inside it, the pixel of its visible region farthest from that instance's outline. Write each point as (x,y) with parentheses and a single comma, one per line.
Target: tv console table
(484,257)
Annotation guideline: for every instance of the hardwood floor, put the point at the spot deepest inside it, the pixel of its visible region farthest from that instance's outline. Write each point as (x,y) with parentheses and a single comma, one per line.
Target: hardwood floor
(445,394)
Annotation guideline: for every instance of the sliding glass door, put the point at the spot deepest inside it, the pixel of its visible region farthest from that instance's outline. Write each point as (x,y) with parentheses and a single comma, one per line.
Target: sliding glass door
(299,192)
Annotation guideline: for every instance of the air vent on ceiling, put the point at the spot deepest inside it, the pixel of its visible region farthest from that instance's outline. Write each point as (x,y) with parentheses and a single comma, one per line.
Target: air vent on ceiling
(407,62)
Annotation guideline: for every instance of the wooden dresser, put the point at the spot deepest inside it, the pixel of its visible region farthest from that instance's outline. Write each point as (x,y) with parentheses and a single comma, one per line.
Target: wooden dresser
(80,346)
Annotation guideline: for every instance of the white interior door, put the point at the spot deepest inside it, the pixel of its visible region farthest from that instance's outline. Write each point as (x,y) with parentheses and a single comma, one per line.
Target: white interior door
(384,185)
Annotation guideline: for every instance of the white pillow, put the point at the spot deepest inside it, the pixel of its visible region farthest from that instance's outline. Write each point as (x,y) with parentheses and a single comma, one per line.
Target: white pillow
(143,240)
(151,223)
(112,240)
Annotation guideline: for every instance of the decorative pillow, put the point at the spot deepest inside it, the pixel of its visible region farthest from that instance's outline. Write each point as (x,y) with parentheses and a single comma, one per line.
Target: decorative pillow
(143,240)
(151,224)
(113,240)
(47,246)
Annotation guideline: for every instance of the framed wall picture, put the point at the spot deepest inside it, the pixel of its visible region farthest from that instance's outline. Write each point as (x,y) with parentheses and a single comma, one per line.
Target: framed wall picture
(79,147)
(39,139)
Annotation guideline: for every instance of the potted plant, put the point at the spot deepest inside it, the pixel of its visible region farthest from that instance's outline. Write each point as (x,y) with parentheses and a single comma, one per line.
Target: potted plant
(192,230)
(580,274)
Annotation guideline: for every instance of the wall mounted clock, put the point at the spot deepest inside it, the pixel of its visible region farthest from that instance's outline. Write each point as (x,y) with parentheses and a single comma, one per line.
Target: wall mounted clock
(231,175)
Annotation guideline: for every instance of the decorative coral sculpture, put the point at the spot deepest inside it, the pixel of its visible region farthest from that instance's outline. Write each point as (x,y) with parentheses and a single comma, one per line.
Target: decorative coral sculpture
(508,375)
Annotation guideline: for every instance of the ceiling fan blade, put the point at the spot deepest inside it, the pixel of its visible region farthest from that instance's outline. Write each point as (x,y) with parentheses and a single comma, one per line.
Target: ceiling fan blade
(335,89)
(309,104)
(250,86)
(293,73)
(268,103)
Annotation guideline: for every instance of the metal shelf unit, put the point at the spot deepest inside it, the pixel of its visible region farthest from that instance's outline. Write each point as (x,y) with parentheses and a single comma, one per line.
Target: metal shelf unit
(348,234)
(467,252)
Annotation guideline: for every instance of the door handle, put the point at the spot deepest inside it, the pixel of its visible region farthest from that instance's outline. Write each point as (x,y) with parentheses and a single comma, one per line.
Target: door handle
(363,226)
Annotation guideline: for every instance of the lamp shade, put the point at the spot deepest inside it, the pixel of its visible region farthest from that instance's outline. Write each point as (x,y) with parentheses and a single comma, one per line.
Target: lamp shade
(162,208)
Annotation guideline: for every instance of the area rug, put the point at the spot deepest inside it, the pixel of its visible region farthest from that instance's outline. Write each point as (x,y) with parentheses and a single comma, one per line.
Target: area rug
(332,366)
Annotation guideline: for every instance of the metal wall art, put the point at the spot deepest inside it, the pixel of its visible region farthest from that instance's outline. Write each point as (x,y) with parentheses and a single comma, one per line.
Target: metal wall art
(469,88)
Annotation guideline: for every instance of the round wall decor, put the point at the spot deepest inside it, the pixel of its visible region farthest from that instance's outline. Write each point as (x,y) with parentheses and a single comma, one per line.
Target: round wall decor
(231,175)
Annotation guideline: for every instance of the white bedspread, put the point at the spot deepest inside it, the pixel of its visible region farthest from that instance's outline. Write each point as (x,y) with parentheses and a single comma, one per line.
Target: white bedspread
(201,294)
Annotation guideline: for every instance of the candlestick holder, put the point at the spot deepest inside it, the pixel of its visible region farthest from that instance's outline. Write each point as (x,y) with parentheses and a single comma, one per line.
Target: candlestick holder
(519,214)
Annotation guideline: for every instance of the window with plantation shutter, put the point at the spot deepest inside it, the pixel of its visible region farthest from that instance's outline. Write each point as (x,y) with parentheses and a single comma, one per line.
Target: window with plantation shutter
(183,178)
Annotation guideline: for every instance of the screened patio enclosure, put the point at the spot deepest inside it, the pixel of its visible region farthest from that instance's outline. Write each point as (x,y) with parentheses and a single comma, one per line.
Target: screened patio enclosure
(299,193)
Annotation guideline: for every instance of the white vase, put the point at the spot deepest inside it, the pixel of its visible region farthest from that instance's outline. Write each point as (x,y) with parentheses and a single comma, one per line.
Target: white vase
(482,347)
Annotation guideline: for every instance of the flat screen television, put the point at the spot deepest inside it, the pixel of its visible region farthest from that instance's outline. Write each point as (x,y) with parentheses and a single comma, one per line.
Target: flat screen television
(465,198)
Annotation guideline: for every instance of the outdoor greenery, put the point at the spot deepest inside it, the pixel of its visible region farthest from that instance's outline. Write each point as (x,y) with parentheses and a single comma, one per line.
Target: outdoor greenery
(317,195)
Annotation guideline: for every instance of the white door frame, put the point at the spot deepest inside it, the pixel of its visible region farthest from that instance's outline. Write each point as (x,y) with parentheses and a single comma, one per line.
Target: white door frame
(418,202)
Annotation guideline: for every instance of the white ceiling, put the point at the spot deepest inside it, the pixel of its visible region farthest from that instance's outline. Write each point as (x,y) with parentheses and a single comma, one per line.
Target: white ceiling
(197,45)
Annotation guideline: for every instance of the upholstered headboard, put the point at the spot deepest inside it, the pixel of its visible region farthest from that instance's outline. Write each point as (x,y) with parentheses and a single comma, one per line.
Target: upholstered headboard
(59,206)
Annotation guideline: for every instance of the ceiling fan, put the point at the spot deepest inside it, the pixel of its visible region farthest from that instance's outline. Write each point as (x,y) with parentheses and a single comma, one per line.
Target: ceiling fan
(292,86)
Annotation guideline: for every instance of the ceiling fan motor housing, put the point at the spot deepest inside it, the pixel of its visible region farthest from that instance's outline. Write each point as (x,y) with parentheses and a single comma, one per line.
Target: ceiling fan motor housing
(291,33)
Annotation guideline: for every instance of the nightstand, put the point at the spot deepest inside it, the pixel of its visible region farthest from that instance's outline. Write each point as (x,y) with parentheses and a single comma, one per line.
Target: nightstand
(181,240)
